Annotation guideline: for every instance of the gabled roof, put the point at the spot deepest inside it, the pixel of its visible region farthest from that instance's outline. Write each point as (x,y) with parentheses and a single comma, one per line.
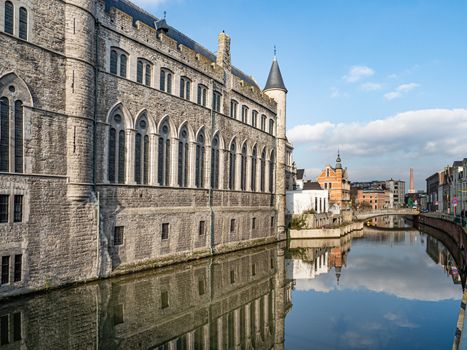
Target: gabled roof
(138,14)
(275,80)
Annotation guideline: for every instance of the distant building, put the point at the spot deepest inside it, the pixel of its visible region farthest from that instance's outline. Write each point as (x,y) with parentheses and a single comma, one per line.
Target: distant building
(299,179)
(309,197)
(457,186)
(432,187)
(397,188)
(375,199)
(336,181)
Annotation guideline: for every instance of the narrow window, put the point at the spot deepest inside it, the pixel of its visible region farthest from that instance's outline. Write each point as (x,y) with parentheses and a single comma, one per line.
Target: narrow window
(169,82)
(112,144)
(232,165)
(233,109)
(232,225)
(121,157)
(201,286)
(139,71)
(243,169)
(271,126)
(182,87)
(4,134)
(253,269)
(4,199)
(148,75)
(146,160)
(23,23)
(263,122)
(185,88)
(232,276)
(272,221)
(202,92)
(5,270)
(253,170)
(183,158)
(123,64)
(253,223)
(244,114)
(138,139)
(17,273)
(118,235)
(165,230)
(263,170)
(18,136)
(113,61)
(254,119)
(18,208)
(9,17)
(215,163)
(202,227)
(4,330)
(164,299)
(162,80)
(271,173)
(217,101)
(200,161)
(17,326)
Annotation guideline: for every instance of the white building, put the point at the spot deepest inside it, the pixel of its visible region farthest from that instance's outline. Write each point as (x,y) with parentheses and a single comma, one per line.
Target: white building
(312,196)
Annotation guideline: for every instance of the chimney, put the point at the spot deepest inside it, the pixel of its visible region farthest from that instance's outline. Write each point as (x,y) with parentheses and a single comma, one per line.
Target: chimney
(223,50)
(412,189)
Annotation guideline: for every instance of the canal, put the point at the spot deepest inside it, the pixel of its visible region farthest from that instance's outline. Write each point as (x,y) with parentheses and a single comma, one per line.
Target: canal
(386,287)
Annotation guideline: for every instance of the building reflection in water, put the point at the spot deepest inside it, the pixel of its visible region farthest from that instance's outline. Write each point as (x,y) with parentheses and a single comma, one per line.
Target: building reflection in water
(234,301)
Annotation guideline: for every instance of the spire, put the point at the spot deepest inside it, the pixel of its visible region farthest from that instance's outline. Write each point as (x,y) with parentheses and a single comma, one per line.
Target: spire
(338,160)
(275,80)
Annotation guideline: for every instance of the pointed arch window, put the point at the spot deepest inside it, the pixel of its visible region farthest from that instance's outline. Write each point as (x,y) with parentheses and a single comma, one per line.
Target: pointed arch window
(243,169)
(272,164)
(263,171)
(215,162)
(142,152)
(163,161)
(254,159)
(9,17)
(200,151)
(183,158)
(232,165)
(23,23)
(117,149)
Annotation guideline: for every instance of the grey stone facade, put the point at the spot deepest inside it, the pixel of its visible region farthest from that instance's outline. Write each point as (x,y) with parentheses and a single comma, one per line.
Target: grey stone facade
(75,98)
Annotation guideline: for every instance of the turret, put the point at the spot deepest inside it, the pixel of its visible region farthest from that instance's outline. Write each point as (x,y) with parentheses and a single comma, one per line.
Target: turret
(80,46)
(338,161)
(275,88)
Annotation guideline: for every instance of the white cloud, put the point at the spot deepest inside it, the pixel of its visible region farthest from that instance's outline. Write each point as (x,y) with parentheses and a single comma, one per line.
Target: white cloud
(400,91)
(371,86)
(409,134)
(357,73)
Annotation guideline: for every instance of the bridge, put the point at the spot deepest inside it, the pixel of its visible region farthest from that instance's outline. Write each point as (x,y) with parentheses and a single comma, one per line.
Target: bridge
(368,214)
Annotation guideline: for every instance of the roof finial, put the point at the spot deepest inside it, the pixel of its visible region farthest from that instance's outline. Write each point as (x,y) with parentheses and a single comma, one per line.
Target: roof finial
(165,14)
(275,52)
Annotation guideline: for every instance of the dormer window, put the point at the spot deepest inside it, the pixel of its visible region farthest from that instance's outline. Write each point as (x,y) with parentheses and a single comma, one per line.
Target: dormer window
(166,80)
(185,88)
(202,95)
(143,72)
(118,62)
(244,114)
(233,109)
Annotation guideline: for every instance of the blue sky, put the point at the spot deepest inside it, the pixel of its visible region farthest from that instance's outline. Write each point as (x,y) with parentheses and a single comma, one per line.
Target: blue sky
(386,81)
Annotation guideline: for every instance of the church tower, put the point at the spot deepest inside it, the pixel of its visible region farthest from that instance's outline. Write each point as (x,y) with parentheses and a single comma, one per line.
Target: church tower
(275,88)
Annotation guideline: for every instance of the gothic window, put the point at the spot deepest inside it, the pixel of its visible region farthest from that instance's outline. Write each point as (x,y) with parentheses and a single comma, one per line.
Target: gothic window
(254,118)
(202,95)
(118,62)
(215,162)
(243,169)
(142,151)
(232,165)
(183,158)
(117,149)
(263,122)
(272,163)
(263,170)
(216,105)
(185,88)
(271,126)
(244,114)
(163,159)
(23,23)
(9,17)
(253,170)
(233,109)
(11,142)
(200,160)
(166,80)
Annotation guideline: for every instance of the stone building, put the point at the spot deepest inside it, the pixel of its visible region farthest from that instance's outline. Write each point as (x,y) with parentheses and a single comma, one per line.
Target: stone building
(124,144)
(336,181)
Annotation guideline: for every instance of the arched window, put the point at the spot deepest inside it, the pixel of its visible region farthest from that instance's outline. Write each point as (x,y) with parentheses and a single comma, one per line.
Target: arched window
(243,169)
(18,136)
(9,17)
(253,169)
(233,108)
(185,88)
(254,119)
(166,81)
(272,164)
(123,64)
(200,160)
(232,164)
(116,156)
(143,72)
(163,161)
(215,162)
(142,152)
(4,134)
(148,74)
(183,158)
(139,71)
(263,170)
(23,23)
(202,95)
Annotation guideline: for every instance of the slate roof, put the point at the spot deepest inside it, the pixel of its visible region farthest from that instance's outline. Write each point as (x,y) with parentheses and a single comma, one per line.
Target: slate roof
(275,80)
(311,186)
(138,14)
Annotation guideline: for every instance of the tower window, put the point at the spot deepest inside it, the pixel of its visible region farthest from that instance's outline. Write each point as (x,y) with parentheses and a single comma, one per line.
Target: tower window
(165,230)
(118,235)
(233,224)
(202,227)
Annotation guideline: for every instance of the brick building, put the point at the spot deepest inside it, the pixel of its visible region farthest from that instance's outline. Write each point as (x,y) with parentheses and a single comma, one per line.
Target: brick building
(125,144)
(336,181)
(374,199)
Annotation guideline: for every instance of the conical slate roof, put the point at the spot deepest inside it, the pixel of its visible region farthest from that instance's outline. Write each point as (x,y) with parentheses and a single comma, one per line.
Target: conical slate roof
(275,80)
